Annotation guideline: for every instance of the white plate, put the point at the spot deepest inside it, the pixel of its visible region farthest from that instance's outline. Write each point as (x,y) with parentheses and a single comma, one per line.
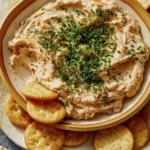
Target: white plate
(17,136)
(130,106)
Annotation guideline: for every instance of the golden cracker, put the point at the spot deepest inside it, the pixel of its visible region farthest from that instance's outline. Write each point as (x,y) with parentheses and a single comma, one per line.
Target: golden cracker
(39,136)
(140,131)
(37,91)
(3,148)
(16,114)
(144,113)
(75,138)
(115,138)
(48,112)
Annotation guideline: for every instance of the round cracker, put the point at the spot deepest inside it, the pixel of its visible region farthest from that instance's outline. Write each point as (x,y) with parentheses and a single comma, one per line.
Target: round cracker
(39,136)
(115,138)
(48,112)
(16,114)
(74,138)
(3,148)
(140,131)
(37,91)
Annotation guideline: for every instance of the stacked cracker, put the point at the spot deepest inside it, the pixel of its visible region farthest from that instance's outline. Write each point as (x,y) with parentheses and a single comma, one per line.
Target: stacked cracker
(131,135)
(43,109)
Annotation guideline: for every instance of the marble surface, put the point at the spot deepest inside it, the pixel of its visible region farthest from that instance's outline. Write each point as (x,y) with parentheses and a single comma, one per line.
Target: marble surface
(5,142)
(5,5)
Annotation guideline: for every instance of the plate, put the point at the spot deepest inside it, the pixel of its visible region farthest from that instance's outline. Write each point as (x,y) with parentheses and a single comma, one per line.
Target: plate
(130,106)
(16,135)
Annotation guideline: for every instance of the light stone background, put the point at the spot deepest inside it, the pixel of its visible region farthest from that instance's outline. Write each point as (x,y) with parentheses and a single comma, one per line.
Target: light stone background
(5,5)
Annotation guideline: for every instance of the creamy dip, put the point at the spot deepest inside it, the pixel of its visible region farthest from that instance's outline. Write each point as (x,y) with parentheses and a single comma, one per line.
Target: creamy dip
(90,52)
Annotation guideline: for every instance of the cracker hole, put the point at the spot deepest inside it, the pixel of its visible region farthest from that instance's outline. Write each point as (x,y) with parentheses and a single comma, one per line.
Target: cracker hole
(15,102)
(24,116)
(52,112)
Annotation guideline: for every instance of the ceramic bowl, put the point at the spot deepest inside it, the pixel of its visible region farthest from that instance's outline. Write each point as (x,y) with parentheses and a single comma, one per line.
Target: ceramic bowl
(131,106)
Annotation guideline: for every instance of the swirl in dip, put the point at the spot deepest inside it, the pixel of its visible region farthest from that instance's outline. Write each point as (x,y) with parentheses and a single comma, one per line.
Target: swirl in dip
(90,52)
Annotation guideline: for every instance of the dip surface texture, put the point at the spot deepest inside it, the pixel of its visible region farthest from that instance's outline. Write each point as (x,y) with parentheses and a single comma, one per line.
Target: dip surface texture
(90,52)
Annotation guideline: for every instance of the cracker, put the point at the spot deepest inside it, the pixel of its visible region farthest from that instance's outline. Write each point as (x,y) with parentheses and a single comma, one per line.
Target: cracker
(3,148)
(39,136)
(144,113)
(37,91)
(114,138)
(145,3)
(16,114)
(140,131)
(48,112)
(75,138)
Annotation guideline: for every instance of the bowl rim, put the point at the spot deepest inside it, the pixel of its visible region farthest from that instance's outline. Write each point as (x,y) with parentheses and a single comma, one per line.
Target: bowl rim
(13,13)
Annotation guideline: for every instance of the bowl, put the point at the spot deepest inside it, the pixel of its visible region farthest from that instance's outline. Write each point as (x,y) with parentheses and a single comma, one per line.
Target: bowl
(131,106)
